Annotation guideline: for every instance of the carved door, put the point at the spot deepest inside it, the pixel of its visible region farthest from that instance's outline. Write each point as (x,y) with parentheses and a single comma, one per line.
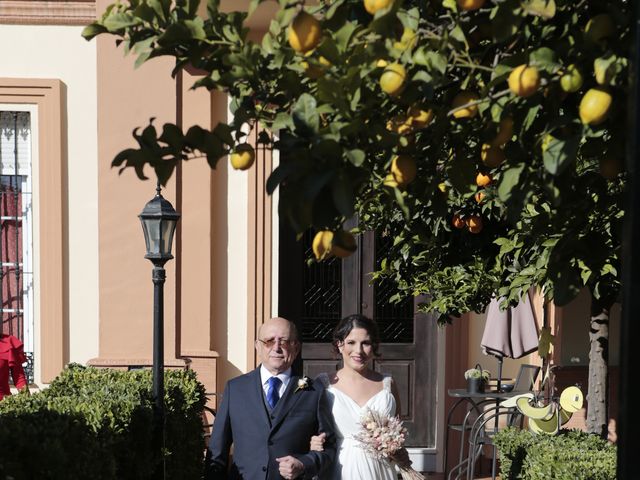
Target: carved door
(317,295)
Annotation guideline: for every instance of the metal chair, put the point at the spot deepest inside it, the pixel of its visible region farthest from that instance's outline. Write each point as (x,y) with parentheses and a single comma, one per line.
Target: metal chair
(483,431)
(526,379)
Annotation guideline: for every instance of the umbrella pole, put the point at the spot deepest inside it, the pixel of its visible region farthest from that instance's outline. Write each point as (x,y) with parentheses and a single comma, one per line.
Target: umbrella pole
(500,373)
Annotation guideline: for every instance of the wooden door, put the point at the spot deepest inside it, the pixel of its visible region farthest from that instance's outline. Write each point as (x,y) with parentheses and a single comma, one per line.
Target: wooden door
(317,295)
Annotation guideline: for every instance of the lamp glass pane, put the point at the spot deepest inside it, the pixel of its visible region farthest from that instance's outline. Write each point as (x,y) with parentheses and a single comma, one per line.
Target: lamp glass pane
(168,227)
(153,235)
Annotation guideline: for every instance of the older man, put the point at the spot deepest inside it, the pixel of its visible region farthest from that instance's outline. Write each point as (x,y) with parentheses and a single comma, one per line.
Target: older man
(269,415)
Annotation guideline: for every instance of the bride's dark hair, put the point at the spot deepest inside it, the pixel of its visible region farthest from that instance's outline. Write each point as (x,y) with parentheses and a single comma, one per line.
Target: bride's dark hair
(347,324)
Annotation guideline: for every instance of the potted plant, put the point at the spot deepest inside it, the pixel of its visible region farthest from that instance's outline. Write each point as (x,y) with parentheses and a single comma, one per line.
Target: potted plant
(476,378)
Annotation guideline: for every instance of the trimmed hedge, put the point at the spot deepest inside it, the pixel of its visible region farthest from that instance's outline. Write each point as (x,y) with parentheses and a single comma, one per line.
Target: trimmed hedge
(570,455)
(97,424)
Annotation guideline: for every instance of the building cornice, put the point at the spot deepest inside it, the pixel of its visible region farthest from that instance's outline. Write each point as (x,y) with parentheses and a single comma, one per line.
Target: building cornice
(21,12)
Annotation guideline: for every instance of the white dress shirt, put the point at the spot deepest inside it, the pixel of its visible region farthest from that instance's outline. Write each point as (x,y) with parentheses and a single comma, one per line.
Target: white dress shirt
(284,377)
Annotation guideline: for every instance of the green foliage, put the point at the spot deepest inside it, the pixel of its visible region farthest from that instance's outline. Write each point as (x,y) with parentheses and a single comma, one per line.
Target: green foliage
(570,454)
(549,218)
(97,423)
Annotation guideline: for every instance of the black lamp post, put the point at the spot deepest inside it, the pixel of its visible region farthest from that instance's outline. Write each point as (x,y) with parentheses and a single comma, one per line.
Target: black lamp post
(158,220)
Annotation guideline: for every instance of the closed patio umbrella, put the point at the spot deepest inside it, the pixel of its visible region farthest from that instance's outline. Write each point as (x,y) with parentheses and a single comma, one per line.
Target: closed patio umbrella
(510,333)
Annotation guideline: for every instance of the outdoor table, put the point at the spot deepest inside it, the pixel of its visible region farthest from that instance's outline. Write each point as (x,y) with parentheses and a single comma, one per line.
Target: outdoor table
(474,401)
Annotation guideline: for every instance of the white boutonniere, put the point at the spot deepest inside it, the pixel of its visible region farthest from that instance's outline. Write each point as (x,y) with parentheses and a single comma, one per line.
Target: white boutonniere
(303,384)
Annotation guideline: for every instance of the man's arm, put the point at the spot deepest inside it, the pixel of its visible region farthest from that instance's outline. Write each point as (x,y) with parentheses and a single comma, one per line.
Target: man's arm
(217,459)
(316,462)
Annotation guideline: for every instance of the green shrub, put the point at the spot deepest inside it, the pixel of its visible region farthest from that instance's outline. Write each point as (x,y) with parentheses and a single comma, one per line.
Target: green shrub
(98,424)
(570,455)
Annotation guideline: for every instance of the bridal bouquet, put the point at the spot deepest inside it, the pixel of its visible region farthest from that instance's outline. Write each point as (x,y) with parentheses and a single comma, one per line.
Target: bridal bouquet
(382,437)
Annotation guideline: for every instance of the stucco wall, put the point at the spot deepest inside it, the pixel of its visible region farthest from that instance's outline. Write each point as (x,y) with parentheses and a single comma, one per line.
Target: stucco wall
(59,52)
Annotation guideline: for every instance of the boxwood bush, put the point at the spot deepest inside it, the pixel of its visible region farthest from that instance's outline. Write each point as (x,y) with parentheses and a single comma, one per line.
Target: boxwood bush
(98,424)
(570,455)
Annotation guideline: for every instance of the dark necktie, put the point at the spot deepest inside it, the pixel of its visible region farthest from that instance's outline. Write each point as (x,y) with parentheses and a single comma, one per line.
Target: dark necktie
(272,392)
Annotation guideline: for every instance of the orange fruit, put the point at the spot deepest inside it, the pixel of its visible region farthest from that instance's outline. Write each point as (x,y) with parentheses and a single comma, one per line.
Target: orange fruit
(304,32)
(393,78)
(474,223)
(524,80)
(463,98)
(491,156)
(595,105)
(457,221)
(610,167)
(243,157)
(470,4)
(479,196)
(483,180)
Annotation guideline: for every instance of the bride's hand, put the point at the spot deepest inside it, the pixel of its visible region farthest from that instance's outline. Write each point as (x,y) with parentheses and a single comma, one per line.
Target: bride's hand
(317,442)
(401,457)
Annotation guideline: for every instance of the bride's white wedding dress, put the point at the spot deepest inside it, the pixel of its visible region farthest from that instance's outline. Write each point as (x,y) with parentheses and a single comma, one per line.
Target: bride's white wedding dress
(352,461)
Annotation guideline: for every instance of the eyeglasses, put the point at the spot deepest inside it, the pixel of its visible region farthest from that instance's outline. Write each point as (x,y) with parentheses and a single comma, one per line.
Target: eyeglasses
(271,342)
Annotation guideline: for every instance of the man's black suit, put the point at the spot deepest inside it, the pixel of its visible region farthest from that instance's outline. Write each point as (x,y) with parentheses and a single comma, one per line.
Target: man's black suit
(259,436)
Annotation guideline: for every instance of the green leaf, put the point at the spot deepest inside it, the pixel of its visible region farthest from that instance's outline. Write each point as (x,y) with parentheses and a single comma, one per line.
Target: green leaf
(92,30)
(343,36)
(543,57)
(508,181)
(560,153)
(343,195)
(356,157)
(119,21)
(304,114)
(541,8)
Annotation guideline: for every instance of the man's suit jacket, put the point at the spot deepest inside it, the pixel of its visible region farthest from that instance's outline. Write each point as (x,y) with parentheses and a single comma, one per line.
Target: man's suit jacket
(259,436)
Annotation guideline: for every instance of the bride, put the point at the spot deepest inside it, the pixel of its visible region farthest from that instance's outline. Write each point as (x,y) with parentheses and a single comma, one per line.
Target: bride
(352,390)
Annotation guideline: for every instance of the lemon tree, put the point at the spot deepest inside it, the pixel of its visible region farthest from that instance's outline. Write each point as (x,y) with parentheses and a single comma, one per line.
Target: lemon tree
(486,137)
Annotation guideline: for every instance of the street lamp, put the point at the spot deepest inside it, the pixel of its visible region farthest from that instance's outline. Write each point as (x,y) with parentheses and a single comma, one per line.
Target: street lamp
(158,220)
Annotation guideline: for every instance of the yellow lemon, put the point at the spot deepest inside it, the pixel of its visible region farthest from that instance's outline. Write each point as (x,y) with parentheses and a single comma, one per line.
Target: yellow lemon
(505,132)
(524,80)
(343,244)
(404,169)
(407,41)
(418,117)
(390,181)
(304,32)
(372,6)
(571,80)
(491,155)
(599,28)
(463,98)
(381,63)
(316,69)
(399,124)
(243,157)
(470,4)
(594,106)
(321,244)
(393,78)
(443,187)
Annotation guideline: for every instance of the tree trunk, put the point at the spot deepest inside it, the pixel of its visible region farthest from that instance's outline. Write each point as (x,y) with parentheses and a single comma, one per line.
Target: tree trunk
(598,394)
